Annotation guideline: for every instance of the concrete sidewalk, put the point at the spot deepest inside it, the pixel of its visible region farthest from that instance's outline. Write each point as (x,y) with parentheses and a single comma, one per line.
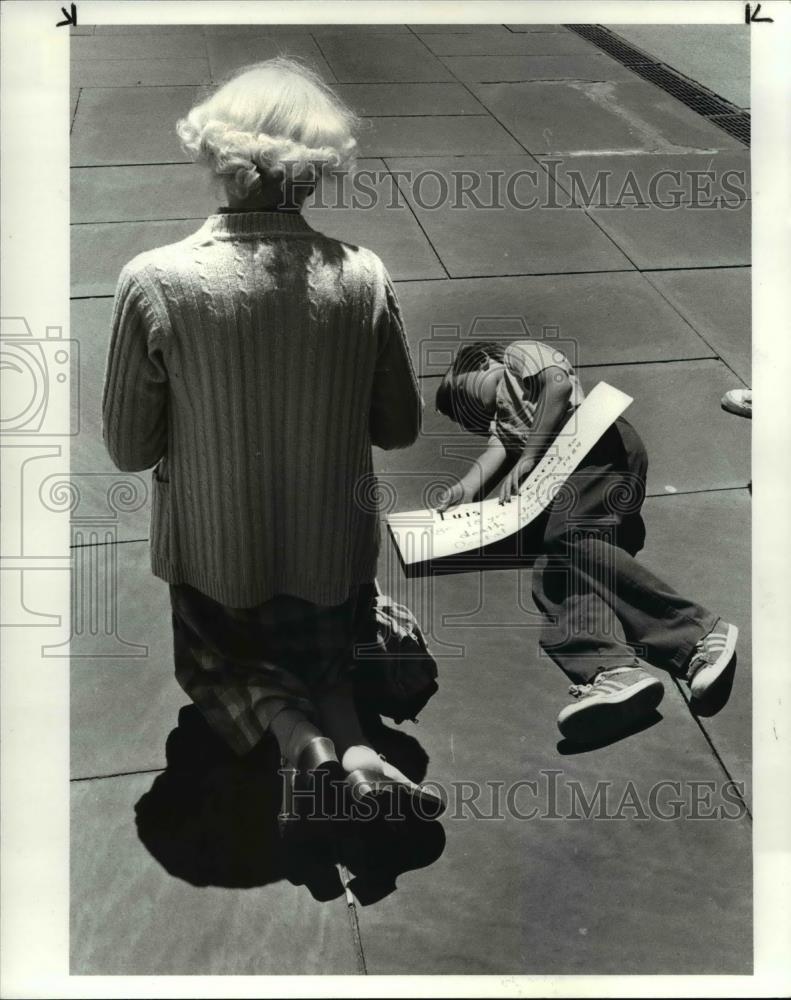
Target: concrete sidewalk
(175,866)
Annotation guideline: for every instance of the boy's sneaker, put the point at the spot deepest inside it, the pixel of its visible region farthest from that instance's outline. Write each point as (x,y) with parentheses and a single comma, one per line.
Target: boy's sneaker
(738,401)
(616,700)
(712,656)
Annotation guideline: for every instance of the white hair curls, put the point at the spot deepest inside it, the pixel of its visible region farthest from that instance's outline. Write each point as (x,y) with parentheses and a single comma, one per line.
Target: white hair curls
(271,118)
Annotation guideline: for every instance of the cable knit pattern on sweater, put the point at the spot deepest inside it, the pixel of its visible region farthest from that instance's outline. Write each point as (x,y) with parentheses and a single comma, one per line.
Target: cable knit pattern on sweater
(254,363)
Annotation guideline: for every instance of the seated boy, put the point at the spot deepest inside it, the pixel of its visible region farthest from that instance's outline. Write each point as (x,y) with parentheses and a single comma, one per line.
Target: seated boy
(597,599)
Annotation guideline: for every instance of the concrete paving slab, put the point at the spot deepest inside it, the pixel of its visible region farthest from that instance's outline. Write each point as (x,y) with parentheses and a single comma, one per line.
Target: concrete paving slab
(380,221)
(717,304)
(257,30)
(687,236)
(535,27)
(716,55)
(600,318)
(537,895)
(128,912)
(99,251)
(129,125)
(500,43)
(124,695)
(701,543)
(394,59)
(317,30)
(139,46)
(436,135)
(118,500)
(383,99)
(463,29)
(137,193)
(706,179)
(692,444)
(570,116)
(477,241)
(153,28)
(304,29)
(230,53)
(139,72)
(497,68)
(74,97)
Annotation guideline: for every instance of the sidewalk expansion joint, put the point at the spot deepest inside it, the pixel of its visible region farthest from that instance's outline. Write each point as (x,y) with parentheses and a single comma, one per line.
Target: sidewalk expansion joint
(715,752)
(354,921)
(116,774)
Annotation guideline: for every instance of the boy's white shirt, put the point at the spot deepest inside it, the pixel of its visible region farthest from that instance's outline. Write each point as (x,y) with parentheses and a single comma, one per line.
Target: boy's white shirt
(524,360)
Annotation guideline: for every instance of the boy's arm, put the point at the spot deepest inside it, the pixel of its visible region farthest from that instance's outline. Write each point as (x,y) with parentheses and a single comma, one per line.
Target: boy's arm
(134,401)
(555,394)
(476,481)
(396,404)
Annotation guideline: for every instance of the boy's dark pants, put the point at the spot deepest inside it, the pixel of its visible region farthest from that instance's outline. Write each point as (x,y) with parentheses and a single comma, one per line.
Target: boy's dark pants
(597,599)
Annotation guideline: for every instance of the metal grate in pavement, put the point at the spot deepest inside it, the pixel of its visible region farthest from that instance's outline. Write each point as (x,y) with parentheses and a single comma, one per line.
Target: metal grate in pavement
(711,106)
(737,125)
(614,46)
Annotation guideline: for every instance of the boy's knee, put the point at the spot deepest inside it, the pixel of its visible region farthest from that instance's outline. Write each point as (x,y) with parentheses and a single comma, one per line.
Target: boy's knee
(576,543)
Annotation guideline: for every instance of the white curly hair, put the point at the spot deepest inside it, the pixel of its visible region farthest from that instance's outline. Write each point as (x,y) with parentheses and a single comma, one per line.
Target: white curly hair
(270,119)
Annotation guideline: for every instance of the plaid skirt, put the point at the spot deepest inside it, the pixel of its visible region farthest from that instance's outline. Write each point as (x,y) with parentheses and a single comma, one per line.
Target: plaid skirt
(241,666)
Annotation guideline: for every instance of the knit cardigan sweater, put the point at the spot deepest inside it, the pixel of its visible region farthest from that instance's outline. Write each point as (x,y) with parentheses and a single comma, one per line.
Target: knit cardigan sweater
(255,363)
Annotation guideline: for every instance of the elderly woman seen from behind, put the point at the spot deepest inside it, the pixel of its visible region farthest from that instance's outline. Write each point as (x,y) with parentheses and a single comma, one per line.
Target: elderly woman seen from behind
(254,364)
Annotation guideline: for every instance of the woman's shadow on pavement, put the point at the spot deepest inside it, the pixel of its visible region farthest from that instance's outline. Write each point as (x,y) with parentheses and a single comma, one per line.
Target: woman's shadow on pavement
(211,819)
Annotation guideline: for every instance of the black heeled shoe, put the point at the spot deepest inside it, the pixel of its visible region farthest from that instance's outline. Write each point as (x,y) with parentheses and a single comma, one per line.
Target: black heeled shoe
(313,792)
(319,755)
(371,787)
